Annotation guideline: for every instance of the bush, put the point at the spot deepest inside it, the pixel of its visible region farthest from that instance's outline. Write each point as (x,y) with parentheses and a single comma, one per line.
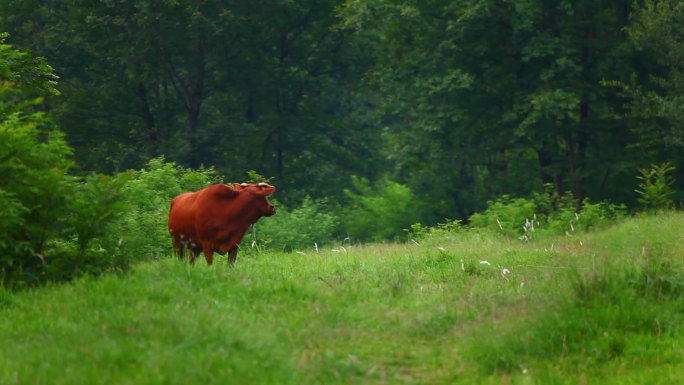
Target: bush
(379,212)
(655,189)
(93,204)
(50,219)
(506,215)
(544,214)
(420,232)
(304,227)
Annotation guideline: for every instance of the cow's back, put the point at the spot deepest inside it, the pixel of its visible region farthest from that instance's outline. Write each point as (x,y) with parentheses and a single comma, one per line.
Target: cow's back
(217,209)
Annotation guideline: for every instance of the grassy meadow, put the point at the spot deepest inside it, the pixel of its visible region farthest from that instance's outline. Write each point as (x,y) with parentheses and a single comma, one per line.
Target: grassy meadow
(462,307)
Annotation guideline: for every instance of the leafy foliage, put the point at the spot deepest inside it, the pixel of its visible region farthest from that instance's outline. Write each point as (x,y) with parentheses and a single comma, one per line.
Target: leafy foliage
(50,218)
(462,102)
(507,215)
(379,211)
(657,106)
(655,189)
(22,72)
(420,232)
(305,227)
(526,76)
(544,214)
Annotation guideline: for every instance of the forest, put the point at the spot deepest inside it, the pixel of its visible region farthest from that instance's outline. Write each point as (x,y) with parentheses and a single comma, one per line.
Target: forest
(373,118)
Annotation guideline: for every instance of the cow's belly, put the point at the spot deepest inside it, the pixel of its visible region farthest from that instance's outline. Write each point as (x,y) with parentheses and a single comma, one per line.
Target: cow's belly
(228,241)
(225,247)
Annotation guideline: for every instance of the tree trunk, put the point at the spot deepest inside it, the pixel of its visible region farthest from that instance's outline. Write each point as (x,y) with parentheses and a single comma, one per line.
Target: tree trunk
(582,141)
(150,124)
(571,162)
(193,101)
(547,175)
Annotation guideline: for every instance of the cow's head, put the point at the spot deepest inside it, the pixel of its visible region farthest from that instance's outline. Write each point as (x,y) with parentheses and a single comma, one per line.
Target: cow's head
(261,191)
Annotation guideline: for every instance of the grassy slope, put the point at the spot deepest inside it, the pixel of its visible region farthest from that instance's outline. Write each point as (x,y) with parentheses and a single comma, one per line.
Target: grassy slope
(377,314)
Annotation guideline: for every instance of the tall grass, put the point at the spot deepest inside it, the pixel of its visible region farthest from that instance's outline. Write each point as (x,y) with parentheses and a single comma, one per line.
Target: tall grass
(623,310)
(458,307)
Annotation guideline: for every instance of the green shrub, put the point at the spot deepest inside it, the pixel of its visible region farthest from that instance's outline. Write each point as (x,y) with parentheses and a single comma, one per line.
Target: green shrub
(420,232)
(50,219)
(378,212)
(599,214)
(304,227)
(506,215)
(93,204)
(544,214)
(655,189)
(13,217)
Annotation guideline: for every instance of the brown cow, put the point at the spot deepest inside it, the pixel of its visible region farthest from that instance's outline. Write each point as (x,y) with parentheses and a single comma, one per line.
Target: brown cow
(215,218)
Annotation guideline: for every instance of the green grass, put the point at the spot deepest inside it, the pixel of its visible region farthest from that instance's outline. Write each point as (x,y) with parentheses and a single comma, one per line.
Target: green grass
(598,308)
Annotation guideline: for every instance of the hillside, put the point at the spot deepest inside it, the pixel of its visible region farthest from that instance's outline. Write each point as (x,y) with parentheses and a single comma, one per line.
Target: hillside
(603,307)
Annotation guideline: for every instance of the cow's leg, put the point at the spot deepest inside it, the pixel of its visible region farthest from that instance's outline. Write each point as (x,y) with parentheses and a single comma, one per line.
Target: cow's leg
(230,247)
(232,255)
(177,247)
(235,242)
(208,252)
(192,255)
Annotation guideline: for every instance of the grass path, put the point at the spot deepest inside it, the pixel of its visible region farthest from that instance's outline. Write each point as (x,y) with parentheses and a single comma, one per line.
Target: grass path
(385,314)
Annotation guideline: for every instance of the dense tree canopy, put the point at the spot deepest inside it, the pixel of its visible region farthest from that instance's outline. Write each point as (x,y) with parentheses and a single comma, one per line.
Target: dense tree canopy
(460,102)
